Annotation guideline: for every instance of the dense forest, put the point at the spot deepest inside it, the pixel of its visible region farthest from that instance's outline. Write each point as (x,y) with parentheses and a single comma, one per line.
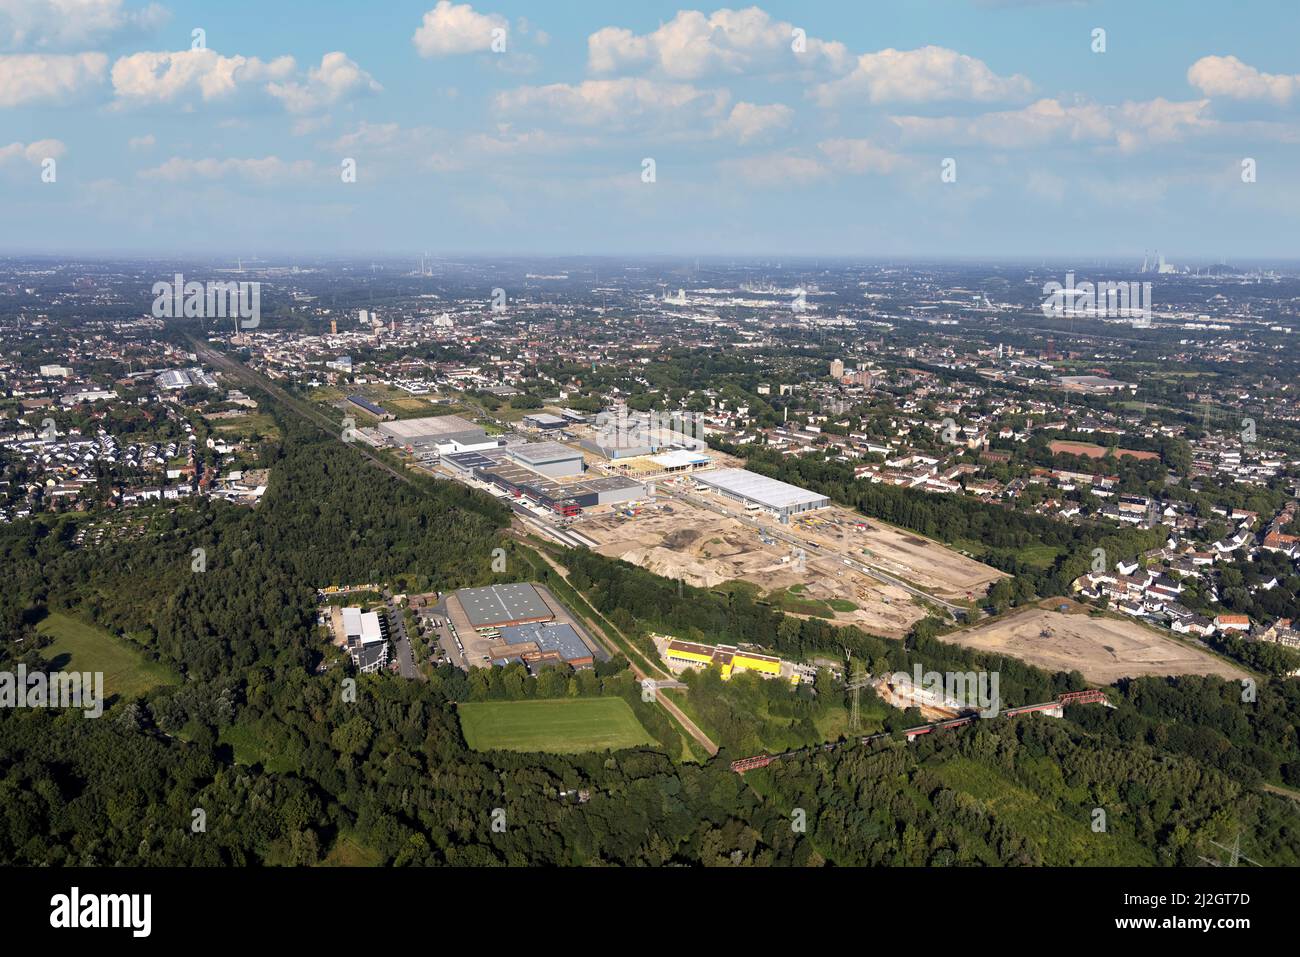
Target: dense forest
(385,777)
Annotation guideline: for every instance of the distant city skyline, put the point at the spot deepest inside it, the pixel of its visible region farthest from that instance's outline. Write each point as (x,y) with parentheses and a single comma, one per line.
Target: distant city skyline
(936,130)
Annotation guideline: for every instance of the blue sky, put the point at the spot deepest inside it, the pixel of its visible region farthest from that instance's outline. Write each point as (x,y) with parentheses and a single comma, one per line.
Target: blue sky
(838,148)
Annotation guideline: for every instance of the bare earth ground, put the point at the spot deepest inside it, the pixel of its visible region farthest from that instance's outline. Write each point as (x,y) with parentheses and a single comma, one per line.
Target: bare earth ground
(1103,650)
(706,549)
(920,561)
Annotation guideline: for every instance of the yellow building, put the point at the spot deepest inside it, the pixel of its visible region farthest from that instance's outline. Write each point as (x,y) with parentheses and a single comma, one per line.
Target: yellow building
(764,664)
(727,658)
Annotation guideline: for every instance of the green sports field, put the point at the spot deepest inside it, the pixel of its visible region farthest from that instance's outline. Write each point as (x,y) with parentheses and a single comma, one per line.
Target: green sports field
(79,646)
(560,726)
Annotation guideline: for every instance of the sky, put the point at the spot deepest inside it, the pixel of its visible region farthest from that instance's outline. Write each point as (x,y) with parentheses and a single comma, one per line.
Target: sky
(868,128)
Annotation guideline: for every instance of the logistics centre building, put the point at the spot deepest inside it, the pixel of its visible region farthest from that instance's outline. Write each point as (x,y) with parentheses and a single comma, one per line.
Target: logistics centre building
(758,491)
(497,606)
(519,622)
(502,469)
(446,433)
(728,658)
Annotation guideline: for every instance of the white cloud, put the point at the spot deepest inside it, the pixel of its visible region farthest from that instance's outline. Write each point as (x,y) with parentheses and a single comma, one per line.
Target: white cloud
(310,124)
(186,76)
(508,142)
(262,170)
(33,153)
(1129,126)
(149,77)
(751,121)
(70,24)
(920,76)
(1140,124)
(775,169)
(146,142)
(1228,76)
(859,156)
(790,167)
(1043,122)
(48,78)
(614,102)
(453,28)
(373,136)
(693,45)
(337,78)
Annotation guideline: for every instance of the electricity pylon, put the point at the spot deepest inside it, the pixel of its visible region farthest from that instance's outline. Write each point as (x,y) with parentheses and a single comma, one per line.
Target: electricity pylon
(857,681)
(1235,857)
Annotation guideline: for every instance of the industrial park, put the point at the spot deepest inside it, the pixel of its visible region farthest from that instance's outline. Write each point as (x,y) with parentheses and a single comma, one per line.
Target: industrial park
(733,445)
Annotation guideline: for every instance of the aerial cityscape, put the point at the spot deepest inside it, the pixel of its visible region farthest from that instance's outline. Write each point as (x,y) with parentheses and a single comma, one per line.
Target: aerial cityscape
(369,501)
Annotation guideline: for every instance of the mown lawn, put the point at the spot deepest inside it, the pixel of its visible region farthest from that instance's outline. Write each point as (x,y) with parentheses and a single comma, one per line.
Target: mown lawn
(559,726)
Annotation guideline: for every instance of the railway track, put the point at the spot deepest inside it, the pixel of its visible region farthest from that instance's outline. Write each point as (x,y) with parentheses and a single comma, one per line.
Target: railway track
(1091,696)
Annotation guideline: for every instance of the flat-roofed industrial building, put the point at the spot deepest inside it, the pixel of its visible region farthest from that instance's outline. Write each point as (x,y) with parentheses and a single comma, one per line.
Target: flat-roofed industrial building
(554,641)
(365,638)
(519,622)
(448,433)
(496,606)
(569,499)
(548,458)
(758,491)
(679,460)
(361,402)
(728,658)
(544,421)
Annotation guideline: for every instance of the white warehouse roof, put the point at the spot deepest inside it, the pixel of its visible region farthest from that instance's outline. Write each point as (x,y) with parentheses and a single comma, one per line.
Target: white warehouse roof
(759,488)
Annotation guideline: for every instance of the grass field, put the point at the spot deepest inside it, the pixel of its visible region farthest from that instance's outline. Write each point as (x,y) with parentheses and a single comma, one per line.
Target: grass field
(79,646)
(560,726)
(254,426)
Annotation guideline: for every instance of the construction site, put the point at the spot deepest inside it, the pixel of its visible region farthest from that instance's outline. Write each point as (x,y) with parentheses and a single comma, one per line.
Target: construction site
(1102,648)
(704,547)
(922,562)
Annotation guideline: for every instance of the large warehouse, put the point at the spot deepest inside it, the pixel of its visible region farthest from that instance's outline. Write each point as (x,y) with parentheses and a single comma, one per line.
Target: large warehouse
(760,492)
(539,644)
(499,605)
(448,433)
(501,468)
(548,458)
(520,622)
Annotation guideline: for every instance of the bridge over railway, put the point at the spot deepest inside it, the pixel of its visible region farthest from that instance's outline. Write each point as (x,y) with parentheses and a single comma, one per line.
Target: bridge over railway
(1055,708)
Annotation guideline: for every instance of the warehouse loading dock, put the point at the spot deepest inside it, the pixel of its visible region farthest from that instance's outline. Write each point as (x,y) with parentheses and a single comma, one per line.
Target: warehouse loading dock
(758,491)
(521,621)
(501,469)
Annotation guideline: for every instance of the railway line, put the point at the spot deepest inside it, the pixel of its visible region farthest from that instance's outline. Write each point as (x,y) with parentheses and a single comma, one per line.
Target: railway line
(1091,696)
